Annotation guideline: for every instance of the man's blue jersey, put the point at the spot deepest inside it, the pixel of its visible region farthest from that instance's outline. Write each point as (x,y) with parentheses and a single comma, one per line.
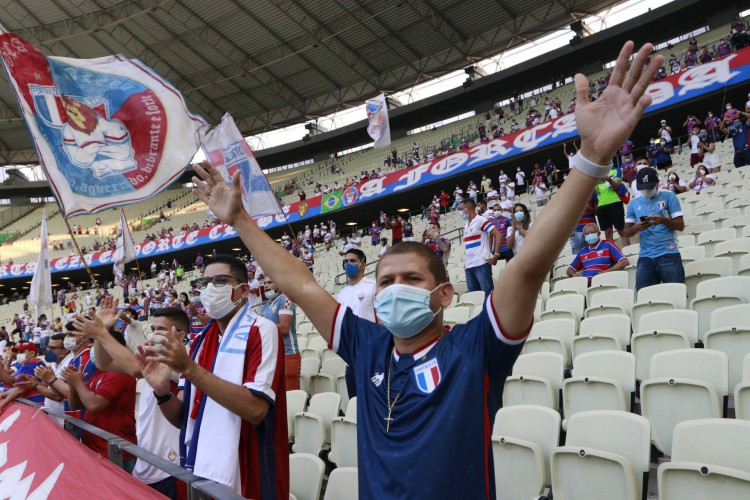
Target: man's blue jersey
(446,396)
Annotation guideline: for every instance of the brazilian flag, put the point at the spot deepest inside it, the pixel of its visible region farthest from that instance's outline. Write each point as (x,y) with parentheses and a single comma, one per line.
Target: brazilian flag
(331,201)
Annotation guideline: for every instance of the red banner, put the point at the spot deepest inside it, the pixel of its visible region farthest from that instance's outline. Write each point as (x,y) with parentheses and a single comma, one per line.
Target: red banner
(39,460)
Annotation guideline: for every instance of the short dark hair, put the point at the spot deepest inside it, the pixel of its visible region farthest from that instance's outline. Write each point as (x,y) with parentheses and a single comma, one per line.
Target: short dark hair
(434,263)
(359,253)
(236,266)
(469,202)
(119,337)
(58,336)
(177,315)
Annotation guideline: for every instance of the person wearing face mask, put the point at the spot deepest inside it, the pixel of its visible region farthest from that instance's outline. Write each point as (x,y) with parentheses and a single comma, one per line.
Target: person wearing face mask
(480,237)
(417,377)
(695,150)
(738,132)
(610,211)
(588,216)
(702,179)
(19,377)
(655,216)
(663,154)
(196,314)
(56,353)
(230,408)
(665,132)
(597,256)
(520,181)
(441,246)
(707,146)
(520,223)
(283,312)
(675,184)
(712,126)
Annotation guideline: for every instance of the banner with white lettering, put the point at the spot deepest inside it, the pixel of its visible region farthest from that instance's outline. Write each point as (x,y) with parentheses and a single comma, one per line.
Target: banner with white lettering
(108,131)
(40,460)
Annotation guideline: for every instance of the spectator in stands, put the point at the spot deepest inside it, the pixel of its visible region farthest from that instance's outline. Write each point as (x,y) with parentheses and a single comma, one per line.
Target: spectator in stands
(384,246)
(739,134)
(413,288)
(153,430)
(610,211)
(550,171)
(665,132)
(409,231)
(675,184)
(480,237)
(19,375)
(662,154)
(283,312)
(520,224)
(577,240)
(709,157)
(702,179)
(597,256)
(375,234)
(396,225)
(541,194)
(695,150)
(438,244)
(656,215)
(18,328)
(520,181)
(212,439)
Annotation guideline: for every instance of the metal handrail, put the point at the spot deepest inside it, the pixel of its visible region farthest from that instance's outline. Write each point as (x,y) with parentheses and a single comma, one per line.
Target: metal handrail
(198,487)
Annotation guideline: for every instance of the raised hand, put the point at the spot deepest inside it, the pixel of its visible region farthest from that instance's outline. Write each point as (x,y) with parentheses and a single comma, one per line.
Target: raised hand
(71,375)
(607,122)
(90,328)
(157,375)
(25,383)
(44,373)
(167,348)
(225,201)
(108,311)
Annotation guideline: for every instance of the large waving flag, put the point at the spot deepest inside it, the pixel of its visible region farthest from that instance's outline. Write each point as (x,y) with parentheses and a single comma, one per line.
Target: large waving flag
(108,131)
(125,251)
(40,291)
(228,151)
(377,115)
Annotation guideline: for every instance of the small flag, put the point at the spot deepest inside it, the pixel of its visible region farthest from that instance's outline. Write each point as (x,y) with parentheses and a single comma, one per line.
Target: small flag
(228,151)
(377,115)
(125,251)
(108,131)
(40,291)
(331,201)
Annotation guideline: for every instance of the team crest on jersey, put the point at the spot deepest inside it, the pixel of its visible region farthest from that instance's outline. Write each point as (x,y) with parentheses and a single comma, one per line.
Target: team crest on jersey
(427,375)
(361,297)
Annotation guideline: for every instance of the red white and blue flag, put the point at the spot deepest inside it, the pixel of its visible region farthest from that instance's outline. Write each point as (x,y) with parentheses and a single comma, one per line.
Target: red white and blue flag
(427,375)
(377,116)
(228,151)
(108,131)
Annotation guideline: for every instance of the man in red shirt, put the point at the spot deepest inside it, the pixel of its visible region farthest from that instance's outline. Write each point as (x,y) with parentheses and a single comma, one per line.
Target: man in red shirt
(397,228)
(109,398)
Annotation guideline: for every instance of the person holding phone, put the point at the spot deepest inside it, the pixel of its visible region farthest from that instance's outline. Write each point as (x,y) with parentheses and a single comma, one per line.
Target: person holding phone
(656,215)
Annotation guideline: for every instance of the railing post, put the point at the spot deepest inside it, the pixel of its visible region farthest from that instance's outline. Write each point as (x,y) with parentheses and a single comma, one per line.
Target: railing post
(115,452)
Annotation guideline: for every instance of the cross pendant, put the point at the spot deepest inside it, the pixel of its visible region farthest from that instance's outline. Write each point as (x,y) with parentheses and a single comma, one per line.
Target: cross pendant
(388,420)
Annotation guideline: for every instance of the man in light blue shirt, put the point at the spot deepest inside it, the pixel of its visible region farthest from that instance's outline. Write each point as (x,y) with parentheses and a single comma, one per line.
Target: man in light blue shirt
(656,215)
(283,312)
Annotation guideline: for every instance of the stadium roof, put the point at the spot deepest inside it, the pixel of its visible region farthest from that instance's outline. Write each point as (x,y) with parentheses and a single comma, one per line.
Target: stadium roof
(272,63)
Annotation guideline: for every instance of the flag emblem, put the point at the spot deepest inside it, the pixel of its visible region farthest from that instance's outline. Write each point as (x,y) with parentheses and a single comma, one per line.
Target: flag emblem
(302,209)
(331,201)
(427,376)
(350,195)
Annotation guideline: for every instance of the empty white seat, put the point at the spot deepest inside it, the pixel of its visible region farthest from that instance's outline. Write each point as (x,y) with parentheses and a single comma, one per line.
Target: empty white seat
(295,403)
(343,442)
(606,455)
(692,253)
(312,428)
(608,331)
(343,484)
(537,379)
(742,392)
(645,344)
(710,239)
(567,303)
(555,335)
(734,249)
(578,285)
(305,475)
(709,460)
(706,305)
(456,315)
(622,297)
(523,438)
(603,380)
(673,293)
(681,320)
(685,384)
(703,270)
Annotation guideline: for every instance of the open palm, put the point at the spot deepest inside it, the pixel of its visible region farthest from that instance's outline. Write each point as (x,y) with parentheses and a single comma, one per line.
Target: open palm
(225,201)
(607,122)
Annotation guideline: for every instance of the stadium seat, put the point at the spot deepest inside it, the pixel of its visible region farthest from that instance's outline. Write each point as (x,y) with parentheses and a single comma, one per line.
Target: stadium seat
(606,281)
(456,315)
(621,298)
(704,270)
(673,293)
(333,366)
(744,267)
(709,460)
(295,403)
(691,254)
(309,366)
(608,331)
(343,442)
(566,304)
(737,223)
(681,320)
(312,428)
(696,229)
(305,475)
(472,300)
(577,285)
(742,392)
(731,285)
(706,305)
(734,249)
(685,240)
(710,239)
(685,384)
(606,455)
(631,250)
(554,335)
(536,379)
(523,438)
(343,484)
(321,382)
(647,343)
(603,380)
(342,391)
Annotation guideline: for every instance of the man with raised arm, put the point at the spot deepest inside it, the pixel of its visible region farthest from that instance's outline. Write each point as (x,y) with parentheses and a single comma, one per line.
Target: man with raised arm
(416,378)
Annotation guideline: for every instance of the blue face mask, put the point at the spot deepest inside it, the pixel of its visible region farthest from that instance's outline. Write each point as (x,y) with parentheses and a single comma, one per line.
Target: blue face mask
(195,299)
(351,269)
(464,215)
(738,125)
(591,238)
(50,357)
(520,216)
(404,310)
(270,294)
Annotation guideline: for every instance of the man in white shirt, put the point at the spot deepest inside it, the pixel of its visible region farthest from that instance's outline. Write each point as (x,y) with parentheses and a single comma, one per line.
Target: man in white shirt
(483,242)
(458,194)
(520,180)
(359,296)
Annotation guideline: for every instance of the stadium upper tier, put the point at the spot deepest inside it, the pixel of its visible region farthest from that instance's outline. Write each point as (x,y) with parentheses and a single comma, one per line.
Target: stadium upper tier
(352,164)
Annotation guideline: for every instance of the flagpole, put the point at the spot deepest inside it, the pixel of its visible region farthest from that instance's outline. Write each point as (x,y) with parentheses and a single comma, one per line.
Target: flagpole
(83,260)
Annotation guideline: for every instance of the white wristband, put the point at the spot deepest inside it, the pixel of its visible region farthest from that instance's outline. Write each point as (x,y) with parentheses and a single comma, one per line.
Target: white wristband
(590,168)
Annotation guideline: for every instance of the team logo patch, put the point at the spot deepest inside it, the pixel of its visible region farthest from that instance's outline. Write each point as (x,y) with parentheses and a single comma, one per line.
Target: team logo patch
(377,379)
(302,209)
(361,297)
(427,375)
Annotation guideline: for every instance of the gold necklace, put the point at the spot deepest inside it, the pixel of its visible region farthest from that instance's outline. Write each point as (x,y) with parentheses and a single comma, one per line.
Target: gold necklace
(390,405)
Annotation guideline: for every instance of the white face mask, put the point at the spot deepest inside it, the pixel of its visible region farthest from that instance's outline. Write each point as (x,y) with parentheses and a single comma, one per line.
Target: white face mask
(22,357)
(218,300)
(70,344)
(649,193)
